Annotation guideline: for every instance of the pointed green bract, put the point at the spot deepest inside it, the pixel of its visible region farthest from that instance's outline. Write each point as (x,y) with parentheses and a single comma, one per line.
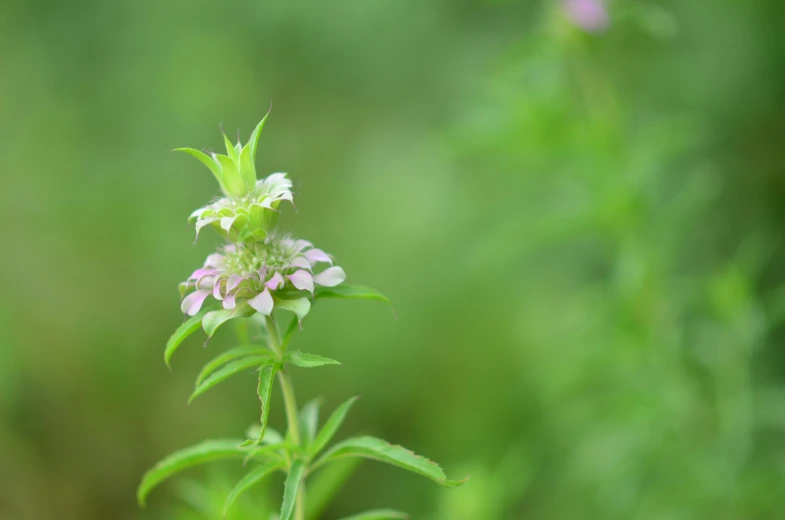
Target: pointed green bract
(299,306)
(254,139)
(187,328)
(303,360)
(378,514)
(233,182)
(230,355)
(290,488)
(226,372)
(331,426)
(383,451)
(213,320)
(207,161)
(247,168)
(250,479)
(206,451)
(346,290)
(231,152)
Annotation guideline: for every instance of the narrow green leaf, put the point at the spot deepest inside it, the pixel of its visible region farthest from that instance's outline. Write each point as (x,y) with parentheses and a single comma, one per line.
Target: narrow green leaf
(323,486)
(301,359)
(206,160)
(226,372)
(230,355)
(346,290)
(270,436)
(182,459)
(287,335)
(250,479)
(290,488)
(187,328)
(299,306)
(265,392)
(231,176)
(309,420)
(331,426)
(254,139)
(269,451)
(230,151)
(213,320)
(377,449)
(378,514)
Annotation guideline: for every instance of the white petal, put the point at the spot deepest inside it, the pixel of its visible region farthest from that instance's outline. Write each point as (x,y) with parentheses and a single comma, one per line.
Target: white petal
(317,255)
(262,302)
(302,280)
(276,281)
(330,277)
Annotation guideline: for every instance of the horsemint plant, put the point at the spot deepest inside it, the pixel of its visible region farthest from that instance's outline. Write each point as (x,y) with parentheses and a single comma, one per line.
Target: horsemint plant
(259,275)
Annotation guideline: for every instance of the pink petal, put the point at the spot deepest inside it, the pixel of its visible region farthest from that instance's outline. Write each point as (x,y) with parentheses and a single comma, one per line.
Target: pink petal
(202,272)
(206,282)
(302,280)
(330,277)
(299,245)
(214,260)
(275,282)
(229,302)
(217,287)
(262,302)
(193,302)
(234,281)
(317,255)
(300,262)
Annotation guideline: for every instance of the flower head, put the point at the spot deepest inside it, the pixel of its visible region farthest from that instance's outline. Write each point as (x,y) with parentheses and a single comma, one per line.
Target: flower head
(249,208)
(589,15)
(277,272)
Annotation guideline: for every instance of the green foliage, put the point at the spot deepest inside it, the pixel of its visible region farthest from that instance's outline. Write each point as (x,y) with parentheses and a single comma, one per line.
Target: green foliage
(231,355)
(350,291)
(309,421)
(378,514)
(291,486)
(213,320)
(227,371)
(188,327)
(180,460)
(303,360)
(331,427)
(250,479)
(264,389)
(377,449)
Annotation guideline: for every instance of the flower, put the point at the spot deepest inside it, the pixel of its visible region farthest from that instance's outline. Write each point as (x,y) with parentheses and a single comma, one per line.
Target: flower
(589,15)
(250,218)
(250,207)
(277,272)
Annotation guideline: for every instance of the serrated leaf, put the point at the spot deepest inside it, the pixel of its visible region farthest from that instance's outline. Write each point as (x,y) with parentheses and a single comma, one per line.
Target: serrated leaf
(226,372)
(187,328)
(265,392)
(213,320)
(299,306)
(346,290)
(290,488)
(230,355)
(378,514)
(378,449)
(250,479)
(253,141)
(309,420)
(206,160)
(303,360)
(205,451)
(331,426)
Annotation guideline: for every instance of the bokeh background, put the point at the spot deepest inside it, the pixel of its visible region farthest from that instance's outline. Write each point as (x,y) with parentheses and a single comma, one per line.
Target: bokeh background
(580,232)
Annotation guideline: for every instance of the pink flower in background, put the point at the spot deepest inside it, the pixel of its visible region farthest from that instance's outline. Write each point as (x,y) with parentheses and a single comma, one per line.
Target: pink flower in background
(589,15)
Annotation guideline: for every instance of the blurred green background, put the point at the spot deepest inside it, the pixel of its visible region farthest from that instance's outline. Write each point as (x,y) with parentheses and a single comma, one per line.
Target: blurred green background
(581,235)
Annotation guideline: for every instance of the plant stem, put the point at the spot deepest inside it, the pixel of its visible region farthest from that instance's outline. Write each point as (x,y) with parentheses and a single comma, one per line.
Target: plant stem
(290,403)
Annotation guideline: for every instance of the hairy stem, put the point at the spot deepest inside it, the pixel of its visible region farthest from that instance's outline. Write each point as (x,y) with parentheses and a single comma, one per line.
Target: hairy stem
(290,403)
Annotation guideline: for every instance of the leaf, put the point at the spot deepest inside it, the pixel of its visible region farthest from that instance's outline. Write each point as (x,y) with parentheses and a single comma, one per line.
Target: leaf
(215,319)
(253,141)
(299,306)
(247,168)
(378,449)
(378,514)
(309,420)
(233,183)
(323,486)
(331,426)
(214,167)
(226,372)
(287,335)
(205,451)
(230,355)
(250,479)
(346,290)
(290,488)
(230,151)
(271,435)
(303,360)
(268,451)
(265,392)
(187,328)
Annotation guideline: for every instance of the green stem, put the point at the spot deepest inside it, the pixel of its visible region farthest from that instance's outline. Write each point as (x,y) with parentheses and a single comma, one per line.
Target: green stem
(290,404)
